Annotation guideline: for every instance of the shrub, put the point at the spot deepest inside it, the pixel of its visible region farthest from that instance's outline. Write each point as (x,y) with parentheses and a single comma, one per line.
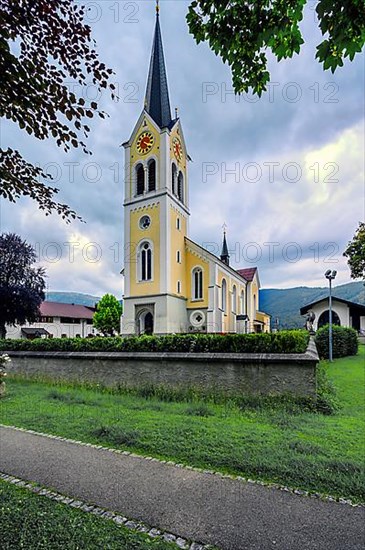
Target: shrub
(344,340)
(293,341)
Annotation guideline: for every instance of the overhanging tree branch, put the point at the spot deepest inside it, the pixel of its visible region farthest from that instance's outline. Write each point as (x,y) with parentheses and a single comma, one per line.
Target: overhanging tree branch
(42,44)
(241,33)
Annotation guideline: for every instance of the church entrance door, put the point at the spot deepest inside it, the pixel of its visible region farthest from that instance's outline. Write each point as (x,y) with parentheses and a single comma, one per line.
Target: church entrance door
(148,324)
(145,322)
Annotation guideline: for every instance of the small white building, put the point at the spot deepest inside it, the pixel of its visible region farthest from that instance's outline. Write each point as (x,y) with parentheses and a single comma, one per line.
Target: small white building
(57,320)
(344,313)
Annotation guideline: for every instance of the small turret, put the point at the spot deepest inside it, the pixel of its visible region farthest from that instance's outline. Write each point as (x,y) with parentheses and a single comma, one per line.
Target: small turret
(225,253)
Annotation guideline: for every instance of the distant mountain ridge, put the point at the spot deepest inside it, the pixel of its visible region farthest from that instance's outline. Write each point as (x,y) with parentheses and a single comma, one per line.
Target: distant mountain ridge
(285,304)
(72,298)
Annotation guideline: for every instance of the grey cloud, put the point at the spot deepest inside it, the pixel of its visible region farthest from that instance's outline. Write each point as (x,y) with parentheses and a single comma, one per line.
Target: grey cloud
(216,131)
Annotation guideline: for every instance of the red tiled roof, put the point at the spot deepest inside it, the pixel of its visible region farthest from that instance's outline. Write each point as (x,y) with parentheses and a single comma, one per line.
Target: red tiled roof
(248,273)
(56,309)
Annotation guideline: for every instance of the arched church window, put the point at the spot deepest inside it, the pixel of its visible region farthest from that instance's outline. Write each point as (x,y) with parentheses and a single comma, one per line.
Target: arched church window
(180,187)
(234,299)
(224,295)
(242,300)
(174,179)
(145,261)
(197,284)
(152,175)
(140,179)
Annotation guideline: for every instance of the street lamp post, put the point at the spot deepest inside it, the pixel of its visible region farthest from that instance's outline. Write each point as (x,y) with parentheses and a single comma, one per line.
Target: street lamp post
(330,275)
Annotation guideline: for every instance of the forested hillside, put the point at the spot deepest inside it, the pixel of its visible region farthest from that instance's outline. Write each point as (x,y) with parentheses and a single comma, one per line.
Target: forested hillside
(285,304)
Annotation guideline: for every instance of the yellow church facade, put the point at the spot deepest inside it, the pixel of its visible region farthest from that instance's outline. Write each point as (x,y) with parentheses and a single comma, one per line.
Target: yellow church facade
(171,283)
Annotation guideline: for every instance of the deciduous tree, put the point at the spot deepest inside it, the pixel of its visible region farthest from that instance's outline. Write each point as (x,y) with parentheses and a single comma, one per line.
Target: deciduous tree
(107,316)
(242,32)
(355,252)
(46,53)
(22,283)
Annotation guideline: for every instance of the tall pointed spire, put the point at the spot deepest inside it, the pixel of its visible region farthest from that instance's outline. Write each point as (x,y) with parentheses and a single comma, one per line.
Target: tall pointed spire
(225,253)
(157,102)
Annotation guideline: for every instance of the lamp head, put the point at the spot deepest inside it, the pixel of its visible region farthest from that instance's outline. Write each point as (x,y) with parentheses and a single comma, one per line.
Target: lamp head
(334,273)
(327,274)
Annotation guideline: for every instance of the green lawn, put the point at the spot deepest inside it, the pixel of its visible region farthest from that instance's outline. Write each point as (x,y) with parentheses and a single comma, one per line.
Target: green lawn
(304,450)
(33,522)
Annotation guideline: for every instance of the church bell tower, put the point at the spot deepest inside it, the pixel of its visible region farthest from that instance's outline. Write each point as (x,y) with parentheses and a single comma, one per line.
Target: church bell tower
(156,211)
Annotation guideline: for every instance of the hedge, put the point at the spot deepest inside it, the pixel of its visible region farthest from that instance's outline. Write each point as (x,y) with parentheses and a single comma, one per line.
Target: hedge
(344,341)
(294,341)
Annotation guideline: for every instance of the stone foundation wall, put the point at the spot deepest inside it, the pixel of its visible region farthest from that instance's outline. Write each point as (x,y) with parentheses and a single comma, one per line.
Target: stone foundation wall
(233,373)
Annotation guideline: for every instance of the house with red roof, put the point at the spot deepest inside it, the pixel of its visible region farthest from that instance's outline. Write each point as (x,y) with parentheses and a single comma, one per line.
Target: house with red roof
(58,320)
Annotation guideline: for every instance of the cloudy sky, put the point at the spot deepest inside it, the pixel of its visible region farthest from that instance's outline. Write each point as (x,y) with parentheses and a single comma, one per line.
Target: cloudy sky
(284,172)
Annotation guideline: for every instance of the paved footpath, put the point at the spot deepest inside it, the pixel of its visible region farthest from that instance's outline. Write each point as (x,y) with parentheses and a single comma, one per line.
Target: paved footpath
(228,513)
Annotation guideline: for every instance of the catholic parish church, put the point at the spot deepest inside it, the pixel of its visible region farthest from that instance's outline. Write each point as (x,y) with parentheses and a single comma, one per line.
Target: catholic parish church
(171,283)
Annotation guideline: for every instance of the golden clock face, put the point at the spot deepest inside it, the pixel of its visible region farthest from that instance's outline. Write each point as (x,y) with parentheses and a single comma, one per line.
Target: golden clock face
(145,142)
(177,148)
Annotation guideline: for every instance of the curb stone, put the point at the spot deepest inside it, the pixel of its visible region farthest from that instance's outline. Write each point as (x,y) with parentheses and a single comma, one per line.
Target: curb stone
(299,492)
(132,525)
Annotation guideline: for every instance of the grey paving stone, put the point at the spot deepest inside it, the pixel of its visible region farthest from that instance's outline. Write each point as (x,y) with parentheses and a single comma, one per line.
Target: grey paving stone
(76,504)
(143,529)
(182,543)
(119,520)
(154,533)
(132,524)
(108,515)
(168,537)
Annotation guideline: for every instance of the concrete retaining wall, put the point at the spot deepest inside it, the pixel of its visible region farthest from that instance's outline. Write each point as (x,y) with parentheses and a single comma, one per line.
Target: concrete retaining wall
(246,373)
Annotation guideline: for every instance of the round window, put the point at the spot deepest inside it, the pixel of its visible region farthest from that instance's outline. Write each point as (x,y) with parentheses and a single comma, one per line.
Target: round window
(145,222)
(197,318)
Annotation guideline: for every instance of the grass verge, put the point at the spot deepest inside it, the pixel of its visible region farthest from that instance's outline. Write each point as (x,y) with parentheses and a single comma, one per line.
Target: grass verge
(34,522)
(270,440)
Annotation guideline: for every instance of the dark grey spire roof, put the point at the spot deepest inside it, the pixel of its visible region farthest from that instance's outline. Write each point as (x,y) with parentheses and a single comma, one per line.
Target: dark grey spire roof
(225,253)
(157,94)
